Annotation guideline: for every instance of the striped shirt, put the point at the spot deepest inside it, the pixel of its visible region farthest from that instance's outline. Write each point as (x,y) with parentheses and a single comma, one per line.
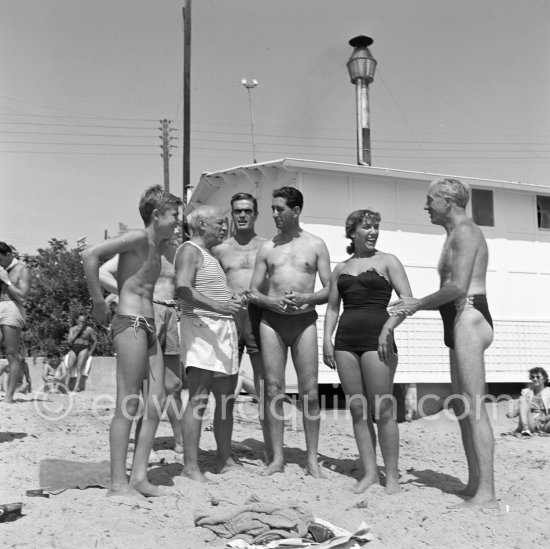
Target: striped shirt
(210,281)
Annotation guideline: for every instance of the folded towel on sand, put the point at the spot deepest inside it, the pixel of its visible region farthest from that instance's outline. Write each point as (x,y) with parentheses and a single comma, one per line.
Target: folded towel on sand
(57,475)
(255,518)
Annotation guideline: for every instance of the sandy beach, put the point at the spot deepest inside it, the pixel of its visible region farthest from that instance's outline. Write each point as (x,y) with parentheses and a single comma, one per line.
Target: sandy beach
(432,469)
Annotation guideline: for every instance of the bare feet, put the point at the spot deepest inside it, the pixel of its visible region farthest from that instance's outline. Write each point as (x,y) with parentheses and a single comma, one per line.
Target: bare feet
(227,465)
(366,482)
(468,491)
(314,469)
(129,497)
(392,486)
(147,489)
(478,503)
(126,493)
(272,468)
(197,476)
(8,400)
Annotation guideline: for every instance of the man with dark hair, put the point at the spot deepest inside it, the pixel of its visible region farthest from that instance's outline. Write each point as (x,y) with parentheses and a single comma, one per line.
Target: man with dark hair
(237,256)
(290,261)
(468,328)
(15,281)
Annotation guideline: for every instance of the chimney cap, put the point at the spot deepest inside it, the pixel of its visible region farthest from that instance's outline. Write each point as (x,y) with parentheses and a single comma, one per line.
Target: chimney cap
(361,41)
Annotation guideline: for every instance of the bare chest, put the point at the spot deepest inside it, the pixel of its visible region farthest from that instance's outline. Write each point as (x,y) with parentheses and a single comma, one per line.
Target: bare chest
(445,261)
(299,259)
(238,259)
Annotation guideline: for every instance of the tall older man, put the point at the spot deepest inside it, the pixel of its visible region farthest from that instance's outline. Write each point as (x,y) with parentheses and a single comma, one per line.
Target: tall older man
(291,261)
(468,328)
(15,281)
(208,337)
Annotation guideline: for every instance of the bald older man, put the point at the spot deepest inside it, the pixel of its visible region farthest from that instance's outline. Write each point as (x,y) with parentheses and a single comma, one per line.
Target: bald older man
(209,346)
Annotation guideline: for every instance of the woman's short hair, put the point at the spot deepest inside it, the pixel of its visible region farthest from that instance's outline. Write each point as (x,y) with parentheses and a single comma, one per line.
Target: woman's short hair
(355,218)
(541,371)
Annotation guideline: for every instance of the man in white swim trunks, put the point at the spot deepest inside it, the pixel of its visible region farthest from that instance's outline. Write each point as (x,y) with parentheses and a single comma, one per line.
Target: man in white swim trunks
(15,282)
(208,337)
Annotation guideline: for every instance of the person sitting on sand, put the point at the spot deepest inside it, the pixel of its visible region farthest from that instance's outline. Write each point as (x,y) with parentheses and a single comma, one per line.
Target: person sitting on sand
(23,380)
(53,374)
(534,405)
(138,353)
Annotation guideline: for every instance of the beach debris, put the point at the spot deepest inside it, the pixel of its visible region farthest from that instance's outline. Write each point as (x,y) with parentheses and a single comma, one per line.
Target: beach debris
(10,511)
(37,493)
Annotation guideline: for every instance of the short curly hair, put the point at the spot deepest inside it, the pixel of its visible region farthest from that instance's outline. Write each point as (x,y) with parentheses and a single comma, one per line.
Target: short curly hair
(355,218)
(541,371)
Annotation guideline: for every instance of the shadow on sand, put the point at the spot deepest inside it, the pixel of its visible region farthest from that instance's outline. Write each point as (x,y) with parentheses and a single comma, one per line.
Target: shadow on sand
(7,436)
(433,479)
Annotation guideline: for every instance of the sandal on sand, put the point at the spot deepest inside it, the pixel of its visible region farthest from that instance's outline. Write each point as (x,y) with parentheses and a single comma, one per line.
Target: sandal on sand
(526,433)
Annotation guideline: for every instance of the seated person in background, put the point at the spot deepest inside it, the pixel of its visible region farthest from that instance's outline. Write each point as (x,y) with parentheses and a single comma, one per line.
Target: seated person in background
(534,405)
(53,374)
(23,384)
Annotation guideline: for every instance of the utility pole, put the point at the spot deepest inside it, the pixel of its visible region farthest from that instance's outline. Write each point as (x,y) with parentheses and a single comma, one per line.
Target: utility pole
(166,139)
(186,14)
(249,87)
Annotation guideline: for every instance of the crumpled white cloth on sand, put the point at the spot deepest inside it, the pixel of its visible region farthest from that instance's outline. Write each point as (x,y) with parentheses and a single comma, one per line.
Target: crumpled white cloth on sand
(342,540)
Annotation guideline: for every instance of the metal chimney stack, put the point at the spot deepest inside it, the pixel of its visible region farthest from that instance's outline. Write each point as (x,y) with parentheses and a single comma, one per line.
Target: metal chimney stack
(361,66)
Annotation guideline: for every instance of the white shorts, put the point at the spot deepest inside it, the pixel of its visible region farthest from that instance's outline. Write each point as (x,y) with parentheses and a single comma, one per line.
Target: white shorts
(209,343)
(12,314)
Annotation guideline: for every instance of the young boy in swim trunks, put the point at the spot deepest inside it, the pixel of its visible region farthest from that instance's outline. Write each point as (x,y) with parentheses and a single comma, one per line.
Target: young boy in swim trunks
(139,357)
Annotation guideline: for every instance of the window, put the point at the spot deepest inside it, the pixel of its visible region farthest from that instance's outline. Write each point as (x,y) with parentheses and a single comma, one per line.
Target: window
(482,207)
(543,212)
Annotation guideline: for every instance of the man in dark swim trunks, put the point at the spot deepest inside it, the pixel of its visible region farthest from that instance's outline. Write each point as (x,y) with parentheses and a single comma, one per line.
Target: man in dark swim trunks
(82,341)
(237,255)
(291,261)
(139,356)
(468,328)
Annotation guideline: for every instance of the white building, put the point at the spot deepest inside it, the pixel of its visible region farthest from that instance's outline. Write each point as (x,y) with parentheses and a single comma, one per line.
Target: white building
(514,216)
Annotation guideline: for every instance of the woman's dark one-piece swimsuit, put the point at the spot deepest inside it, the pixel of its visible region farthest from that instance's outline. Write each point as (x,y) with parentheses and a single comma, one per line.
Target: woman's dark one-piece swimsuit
(366,297)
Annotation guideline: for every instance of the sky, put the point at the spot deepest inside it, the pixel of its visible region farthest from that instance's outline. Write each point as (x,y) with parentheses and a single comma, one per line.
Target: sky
(461,88)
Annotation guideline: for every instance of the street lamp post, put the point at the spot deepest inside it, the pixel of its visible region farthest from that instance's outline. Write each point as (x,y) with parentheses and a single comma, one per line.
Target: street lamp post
(249,87)
(361,66)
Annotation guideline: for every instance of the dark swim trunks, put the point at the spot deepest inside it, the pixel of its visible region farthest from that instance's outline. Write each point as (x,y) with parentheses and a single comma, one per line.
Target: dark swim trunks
(78,347)
(248,329)
(449,310)
(123,322)
(289,327)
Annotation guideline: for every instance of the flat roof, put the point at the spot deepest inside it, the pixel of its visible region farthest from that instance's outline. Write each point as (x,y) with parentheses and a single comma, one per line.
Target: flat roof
(321,165)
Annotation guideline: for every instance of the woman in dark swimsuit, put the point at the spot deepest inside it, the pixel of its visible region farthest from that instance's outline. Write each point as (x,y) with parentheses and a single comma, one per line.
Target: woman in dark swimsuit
(364,351)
